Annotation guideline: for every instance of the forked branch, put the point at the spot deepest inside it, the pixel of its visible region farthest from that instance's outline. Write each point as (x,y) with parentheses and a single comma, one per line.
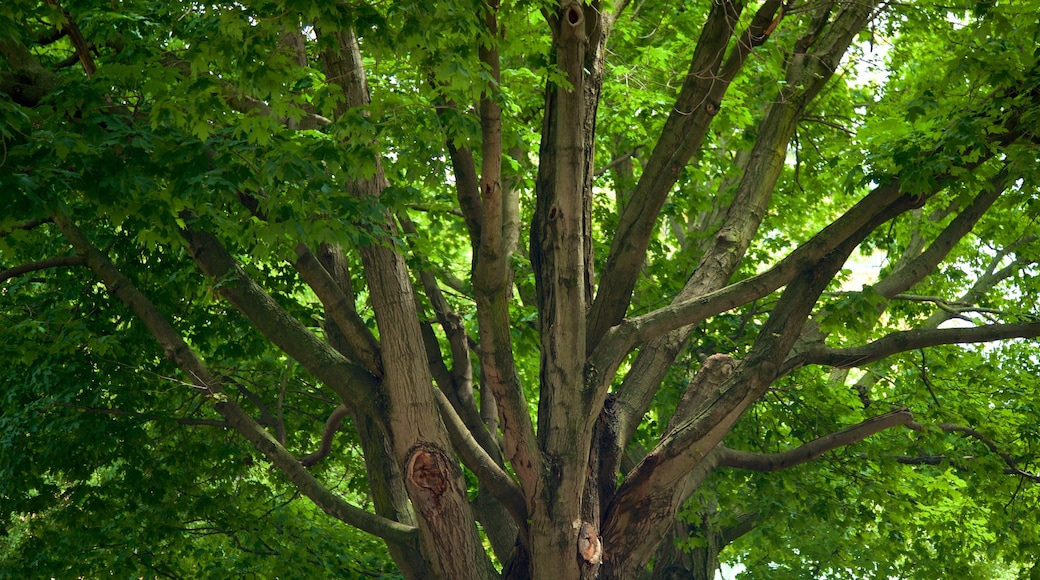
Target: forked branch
(352,383)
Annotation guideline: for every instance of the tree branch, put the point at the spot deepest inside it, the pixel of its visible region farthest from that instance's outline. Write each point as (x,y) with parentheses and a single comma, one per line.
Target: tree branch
(186,359)
(1011,462)
(915,270)
(341,309)
(817,447)
(352,383)
(332,425)
(616,161)
(28,224)
(459,387)
(76,36)
(27,82)
(912,340)
(58,262)
(479,462)
(464,406)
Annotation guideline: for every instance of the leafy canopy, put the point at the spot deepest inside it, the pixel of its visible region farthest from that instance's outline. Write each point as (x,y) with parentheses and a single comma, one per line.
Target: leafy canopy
(148,124)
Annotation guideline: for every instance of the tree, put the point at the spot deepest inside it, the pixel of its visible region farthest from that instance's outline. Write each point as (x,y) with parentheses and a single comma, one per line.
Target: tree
(258,251)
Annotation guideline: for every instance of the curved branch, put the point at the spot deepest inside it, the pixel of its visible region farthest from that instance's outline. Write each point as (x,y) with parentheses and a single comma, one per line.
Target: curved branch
(817,447)
(464,406)
(332,425)
(58,262)
(912,340)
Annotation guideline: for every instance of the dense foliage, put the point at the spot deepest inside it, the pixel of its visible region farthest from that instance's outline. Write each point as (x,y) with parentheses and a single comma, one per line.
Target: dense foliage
(464,288)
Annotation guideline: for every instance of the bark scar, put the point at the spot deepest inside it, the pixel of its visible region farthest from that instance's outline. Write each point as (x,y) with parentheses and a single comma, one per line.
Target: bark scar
(427,472)
(589,546)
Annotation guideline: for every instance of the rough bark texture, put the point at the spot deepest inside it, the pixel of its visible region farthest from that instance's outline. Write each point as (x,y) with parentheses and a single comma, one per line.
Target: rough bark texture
(549,494)
(420,443)
(558,256)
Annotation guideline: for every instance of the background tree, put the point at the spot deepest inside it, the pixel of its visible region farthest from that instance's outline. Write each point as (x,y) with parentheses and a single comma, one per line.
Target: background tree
(531,289)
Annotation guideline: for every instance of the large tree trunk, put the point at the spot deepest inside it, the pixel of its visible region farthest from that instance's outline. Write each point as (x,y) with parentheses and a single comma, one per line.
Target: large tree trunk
(565,523)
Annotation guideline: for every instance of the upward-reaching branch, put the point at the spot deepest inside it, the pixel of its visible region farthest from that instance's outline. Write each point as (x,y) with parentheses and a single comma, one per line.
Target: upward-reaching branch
(684,132)
(492,272)
(558,258)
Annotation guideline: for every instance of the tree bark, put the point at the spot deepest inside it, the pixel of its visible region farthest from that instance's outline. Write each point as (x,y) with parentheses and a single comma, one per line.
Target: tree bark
(565,419)
(448,536)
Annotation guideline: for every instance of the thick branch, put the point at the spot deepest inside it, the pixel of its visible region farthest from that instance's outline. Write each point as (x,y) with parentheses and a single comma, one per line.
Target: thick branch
(341,309)
(76,36)
(815,448)
(58,262)
(457,383)
(808,72)
(420,441)
(353,384)
(27,82)
(715,370)
(652,482)
(912,340)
